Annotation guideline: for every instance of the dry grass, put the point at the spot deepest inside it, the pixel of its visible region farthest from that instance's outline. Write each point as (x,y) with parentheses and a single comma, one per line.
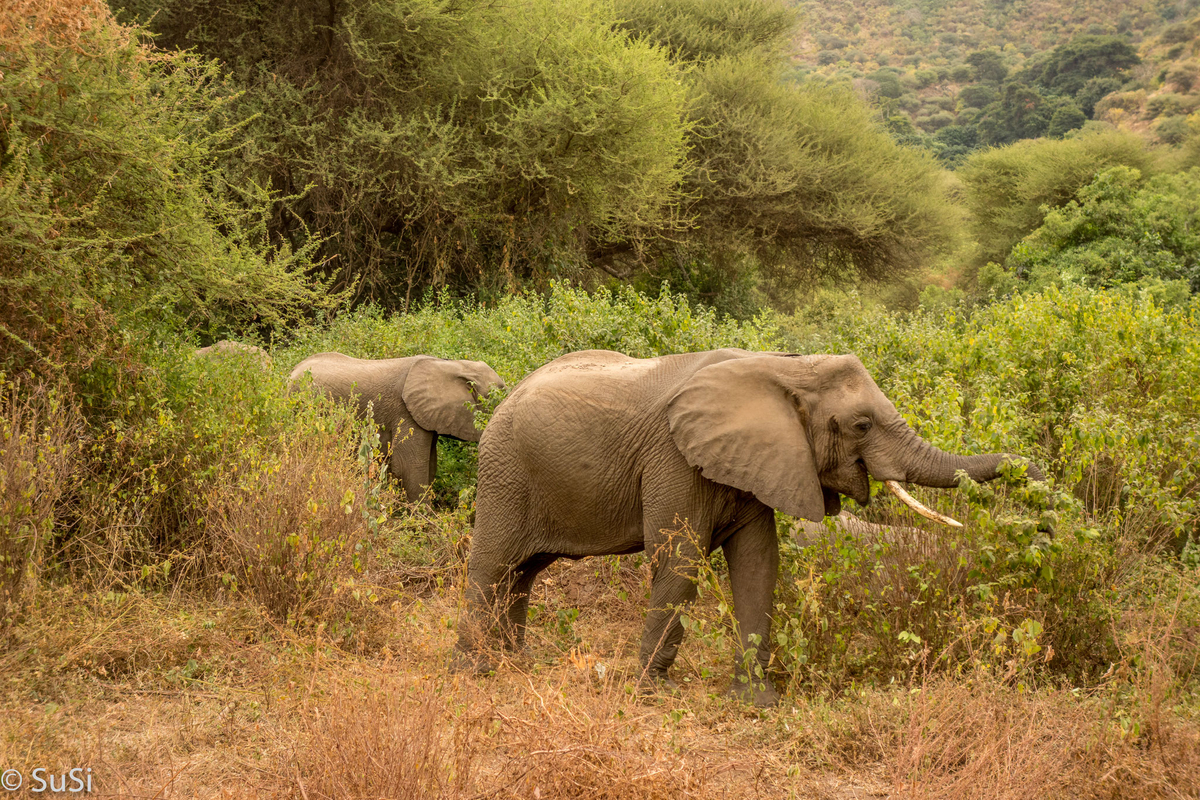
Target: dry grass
(186,697)
(38,454)
(990,741)
(57,20)
(283,527)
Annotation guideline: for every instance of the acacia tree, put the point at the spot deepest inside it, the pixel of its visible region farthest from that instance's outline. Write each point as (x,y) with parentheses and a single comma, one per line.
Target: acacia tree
(803,178)
(117,223)
(483,147)
(457,143)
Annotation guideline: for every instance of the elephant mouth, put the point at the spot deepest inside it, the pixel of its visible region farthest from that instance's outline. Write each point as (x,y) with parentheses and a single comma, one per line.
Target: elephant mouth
(865,482)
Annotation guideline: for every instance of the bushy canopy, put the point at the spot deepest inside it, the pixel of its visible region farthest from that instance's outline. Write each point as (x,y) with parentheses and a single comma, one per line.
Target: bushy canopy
(1119,229)
(1008,188)
(486,147)
(113,220)
(802,175)
(458,142)
(698,30)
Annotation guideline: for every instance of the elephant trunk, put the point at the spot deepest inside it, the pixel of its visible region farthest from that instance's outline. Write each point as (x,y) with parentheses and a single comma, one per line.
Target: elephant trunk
(929,466)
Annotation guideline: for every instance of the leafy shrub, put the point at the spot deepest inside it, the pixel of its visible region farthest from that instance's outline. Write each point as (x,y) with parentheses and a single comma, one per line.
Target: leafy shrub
(139,514)
(1119,230)
(117,221)
(1099,386)
(1066,118)
(1183,76)
(854,605)
(1008,188)
(978,95)
(1127,102)
(1093,91)
(935,122)
(293,521)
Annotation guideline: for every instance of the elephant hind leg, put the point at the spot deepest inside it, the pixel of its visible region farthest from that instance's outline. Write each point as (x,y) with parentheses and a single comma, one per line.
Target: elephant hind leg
(523,577)
(497,600)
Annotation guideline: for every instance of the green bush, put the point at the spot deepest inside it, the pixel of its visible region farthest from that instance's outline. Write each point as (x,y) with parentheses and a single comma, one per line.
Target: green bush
(1009,188)
(1120,229)
(185,426)
(1101,387)
(117,223)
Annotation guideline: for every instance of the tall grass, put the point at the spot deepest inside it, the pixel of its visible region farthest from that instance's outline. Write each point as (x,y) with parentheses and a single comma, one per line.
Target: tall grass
(39,461)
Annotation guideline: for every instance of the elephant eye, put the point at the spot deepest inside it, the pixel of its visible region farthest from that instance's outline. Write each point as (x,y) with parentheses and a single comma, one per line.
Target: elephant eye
(863,425)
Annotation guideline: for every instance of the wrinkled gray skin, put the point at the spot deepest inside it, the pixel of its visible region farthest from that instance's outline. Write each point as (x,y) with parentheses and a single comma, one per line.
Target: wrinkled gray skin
(414,400)
(597,453)
(227,347)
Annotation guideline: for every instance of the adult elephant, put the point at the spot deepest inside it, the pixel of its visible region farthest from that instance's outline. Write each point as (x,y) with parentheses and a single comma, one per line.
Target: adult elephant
(413,399)
(597,453)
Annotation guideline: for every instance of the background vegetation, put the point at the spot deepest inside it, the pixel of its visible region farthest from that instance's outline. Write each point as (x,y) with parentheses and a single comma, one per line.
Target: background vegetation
(513,183)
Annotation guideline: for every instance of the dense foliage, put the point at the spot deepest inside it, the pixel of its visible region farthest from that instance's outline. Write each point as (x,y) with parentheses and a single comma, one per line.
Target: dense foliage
(483,148)
(1119,229)
(115,219)
(1009,189)
(1101,387)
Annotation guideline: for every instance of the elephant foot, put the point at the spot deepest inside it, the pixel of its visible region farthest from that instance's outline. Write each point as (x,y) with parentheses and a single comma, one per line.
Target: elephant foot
(657,683)
(757,692)
(472,663)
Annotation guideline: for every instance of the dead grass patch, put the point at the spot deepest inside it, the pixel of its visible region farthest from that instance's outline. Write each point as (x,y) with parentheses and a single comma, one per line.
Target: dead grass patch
(39,431)
(965,740)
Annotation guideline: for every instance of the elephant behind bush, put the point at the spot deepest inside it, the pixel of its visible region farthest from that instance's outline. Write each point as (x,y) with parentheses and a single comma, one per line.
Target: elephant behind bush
(414,400)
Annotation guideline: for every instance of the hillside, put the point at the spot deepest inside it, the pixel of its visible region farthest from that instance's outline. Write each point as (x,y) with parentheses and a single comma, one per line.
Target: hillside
(953,77)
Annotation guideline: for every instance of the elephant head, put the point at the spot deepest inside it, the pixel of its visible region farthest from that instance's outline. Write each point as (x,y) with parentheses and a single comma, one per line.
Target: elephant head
(443,395)
(799,431)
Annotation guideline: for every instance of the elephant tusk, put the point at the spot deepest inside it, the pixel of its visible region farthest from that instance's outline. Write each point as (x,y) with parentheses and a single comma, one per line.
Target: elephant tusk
(912,503)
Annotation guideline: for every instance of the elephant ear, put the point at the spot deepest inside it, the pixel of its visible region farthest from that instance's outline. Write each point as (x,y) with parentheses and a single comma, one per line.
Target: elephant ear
(439,397)
(740,426)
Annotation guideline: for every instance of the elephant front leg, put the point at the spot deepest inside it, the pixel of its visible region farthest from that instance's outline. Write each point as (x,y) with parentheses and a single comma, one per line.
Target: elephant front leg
(414,459)
(674,558)
(753,557)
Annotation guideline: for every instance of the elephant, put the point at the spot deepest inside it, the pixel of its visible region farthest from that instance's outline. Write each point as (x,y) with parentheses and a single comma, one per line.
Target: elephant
(597,453)
(229,347)
(414,399)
